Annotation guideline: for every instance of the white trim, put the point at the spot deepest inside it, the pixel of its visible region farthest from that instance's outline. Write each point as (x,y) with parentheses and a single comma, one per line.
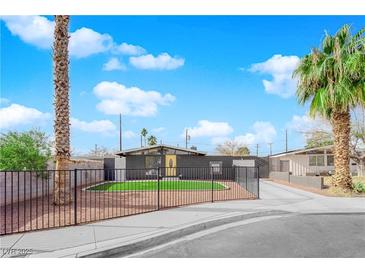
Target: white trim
(299,151)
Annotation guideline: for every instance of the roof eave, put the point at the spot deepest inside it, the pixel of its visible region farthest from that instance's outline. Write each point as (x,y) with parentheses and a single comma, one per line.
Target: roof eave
(299,151)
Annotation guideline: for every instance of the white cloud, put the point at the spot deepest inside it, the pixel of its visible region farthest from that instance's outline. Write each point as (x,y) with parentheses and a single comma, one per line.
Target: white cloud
(85,42)
(117,98)
(18,115)
(219,140)
(114,64)
(281,69)
(207,128)
(305,123)
(158,130)
(129,49)
(162,62)
(34,30)
(38,31)
(95,126)
(262,132)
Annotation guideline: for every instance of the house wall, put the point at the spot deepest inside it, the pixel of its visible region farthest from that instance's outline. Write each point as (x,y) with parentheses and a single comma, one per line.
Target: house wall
(136,162)
(299,165)
(114,169)
(189,161)
(279,175)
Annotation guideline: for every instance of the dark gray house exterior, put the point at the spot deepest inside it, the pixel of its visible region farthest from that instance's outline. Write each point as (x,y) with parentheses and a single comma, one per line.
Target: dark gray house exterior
(176,161)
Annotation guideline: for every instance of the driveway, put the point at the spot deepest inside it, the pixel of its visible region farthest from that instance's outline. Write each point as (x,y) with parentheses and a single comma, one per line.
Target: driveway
(316,226)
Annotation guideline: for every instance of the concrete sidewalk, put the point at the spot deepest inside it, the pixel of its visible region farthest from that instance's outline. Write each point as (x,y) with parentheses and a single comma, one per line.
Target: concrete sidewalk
(134,233)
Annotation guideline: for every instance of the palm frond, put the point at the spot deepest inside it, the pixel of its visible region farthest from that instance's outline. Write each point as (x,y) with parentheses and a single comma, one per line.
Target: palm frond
(332,78)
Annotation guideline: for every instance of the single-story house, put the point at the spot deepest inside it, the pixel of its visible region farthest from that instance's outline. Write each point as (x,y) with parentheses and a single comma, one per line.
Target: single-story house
(307,162)
(173,157)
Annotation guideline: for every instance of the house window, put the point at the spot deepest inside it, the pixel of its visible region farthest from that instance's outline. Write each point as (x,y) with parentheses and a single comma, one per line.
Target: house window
(312,160)
(316,160)
(284,165)
(330,160)
(320,160)
(151,164)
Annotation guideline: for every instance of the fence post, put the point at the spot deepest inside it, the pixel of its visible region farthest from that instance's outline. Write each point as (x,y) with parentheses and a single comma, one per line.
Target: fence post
(235,174)
(258,182)
(75,195)
(6,194)
(158,188)
(212,184)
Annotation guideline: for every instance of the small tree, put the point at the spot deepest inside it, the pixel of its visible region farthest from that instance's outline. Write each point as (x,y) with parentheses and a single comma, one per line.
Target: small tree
(24,150)
(318,138)
(233,148)
(100,152)
(152,140)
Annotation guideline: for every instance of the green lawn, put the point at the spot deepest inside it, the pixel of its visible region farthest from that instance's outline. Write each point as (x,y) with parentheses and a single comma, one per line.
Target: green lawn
(152,185)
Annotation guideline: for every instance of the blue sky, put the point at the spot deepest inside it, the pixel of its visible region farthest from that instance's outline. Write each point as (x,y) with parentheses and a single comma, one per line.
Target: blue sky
(222,77)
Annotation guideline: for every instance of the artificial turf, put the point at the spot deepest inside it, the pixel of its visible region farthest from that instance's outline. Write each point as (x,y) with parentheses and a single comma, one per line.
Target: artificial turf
(153,185)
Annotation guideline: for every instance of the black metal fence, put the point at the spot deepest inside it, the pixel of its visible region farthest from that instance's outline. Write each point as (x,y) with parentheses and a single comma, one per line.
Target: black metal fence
(33,200)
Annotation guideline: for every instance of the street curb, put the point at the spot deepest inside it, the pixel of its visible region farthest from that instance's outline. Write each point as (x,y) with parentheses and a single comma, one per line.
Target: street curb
(170,235)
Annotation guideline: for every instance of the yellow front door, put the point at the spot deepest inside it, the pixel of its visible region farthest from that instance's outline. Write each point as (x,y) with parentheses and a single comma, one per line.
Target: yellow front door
(170,164)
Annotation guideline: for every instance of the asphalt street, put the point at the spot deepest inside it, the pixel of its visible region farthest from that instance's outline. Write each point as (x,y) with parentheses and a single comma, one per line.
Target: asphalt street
(308,235)
(318,226)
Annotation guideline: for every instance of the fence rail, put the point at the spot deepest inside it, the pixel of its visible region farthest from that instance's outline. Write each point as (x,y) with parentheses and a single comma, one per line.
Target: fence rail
(33,200)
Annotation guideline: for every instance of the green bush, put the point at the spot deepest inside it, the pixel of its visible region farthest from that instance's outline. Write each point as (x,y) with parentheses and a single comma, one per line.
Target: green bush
(24,150)
(358,187)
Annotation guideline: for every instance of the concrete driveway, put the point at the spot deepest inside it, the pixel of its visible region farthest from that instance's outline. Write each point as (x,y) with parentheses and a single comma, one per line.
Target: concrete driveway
(316,226)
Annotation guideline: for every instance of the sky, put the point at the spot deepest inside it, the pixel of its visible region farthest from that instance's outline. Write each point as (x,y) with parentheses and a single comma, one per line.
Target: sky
(220,77)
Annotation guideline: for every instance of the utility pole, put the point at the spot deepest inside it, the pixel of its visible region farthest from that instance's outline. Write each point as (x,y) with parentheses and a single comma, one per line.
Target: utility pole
(270,145)
(120,132)
(257,149)
(187,138)
(286,140)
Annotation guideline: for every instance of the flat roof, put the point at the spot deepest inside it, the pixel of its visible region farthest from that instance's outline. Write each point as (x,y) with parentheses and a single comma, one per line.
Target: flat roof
(301,150)
(161,147)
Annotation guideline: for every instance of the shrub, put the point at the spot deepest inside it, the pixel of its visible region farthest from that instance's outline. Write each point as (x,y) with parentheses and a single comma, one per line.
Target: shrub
(24,150)
(358,187)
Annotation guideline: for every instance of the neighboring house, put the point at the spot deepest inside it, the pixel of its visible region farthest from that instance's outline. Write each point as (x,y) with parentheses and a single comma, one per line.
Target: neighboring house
(307,162)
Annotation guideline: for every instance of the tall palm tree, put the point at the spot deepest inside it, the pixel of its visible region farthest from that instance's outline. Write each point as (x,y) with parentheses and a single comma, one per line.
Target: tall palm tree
(332,79)
(144,133)
(62,110)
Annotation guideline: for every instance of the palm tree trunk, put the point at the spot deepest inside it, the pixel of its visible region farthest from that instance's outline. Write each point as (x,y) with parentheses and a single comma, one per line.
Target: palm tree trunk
(341,132)
(62,111)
